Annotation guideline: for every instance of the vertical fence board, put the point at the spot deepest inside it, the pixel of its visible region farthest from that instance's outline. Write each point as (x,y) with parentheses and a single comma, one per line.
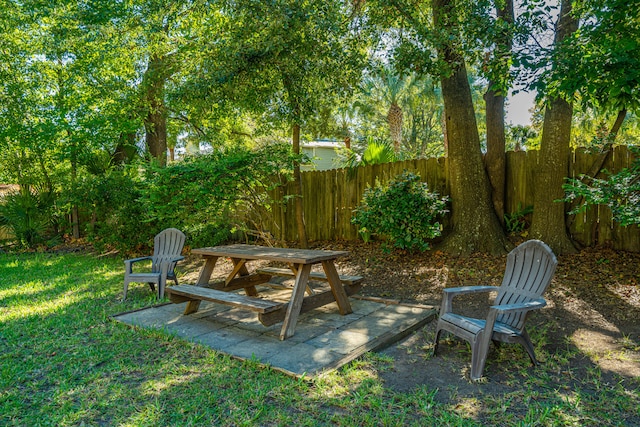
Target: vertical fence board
(353,201)
(310,203)
(582,225)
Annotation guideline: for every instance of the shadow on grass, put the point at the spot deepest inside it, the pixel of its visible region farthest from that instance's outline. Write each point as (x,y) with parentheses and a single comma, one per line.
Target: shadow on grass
(71,365)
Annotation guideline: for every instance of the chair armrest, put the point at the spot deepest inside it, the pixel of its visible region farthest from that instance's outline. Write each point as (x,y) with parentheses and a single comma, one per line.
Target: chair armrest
(524,306)
(469,290)
(169,261)
(165,265)
(506,308)
(128,263)
(448,294)
(132,260)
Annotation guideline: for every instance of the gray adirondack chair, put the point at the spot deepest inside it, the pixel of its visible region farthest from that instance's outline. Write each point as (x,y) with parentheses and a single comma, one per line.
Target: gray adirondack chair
(530,268)
(167,247)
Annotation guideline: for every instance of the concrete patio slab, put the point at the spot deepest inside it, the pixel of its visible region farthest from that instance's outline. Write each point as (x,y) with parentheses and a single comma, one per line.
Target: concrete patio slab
(323,340)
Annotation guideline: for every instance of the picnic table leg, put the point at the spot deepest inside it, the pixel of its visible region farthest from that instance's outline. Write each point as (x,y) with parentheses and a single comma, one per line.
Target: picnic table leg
(203,280)
(207,270)
(337,289)
(294,269)
(294,306)
(240,269)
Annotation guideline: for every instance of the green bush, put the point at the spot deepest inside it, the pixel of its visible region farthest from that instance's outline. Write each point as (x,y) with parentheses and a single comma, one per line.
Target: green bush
(28,215)
(403,212)
(619,191)
(116,217)
(204,196)
(518,221)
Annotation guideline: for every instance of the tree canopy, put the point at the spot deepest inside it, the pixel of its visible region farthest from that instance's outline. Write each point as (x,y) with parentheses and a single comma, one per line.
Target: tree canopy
(87,87)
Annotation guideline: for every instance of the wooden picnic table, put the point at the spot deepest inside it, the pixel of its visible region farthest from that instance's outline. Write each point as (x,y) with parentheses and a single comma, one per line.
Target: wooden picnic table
(270,312)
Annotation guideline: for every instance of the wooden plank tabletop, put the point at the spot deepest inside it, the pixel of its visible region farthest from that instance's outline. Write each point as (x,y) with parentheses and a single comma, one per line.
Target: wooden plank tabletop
(297,256)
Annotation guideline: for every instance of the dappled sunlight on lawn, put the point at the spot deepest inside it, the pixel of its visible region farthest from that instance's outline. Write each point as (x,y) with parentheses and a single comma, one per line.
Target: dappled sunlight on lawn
(157,386)
(469,408)
(340,383)
(597,346)
(41,285)
(29,289)
(22,307)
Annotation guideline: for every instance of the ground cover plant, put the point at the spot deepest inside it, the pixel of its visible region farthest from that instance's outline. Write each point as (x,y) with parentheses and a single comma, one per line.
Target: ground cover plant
(64,362)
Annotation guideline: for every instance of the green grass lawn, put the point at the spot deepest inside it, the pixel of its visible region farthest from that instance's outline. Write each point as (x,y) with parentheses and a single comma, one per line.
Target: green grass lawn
(64,362)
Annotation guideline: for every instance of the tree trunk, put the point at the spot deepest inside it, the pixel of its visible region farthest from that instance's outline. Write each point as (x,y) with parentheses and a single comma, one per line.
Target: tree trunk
(475,227)
(622,114)
(548,223)
(297,179)
(125,151)
(394,119)
(495,159)
(294,102)
(75,216)
(155,120)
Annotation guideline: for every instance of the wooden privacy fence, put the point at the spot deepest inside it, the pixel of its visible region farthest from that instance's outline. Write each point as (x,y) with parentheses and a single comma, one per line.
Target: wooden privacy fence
(331,196)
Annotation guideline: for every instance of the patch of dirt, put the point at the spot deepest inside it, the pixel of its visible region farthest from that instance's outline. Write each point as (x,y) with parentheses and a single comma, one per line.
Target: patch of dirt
(593,312)
(592,316)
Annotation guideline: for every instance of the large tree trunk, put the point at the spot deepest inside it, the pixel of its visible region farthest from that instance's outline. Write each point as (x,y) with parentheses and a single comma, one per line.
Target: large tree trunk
(475,227)
(494,99)
(155,119)
(548,223)
(297,179)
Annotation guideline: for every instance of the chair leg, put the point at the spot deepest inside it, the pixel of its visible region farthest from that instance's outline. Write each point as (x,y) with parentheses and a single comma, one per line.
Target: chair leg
(161,286)
(528,345)
(435,343)
(126,287)
(479,351)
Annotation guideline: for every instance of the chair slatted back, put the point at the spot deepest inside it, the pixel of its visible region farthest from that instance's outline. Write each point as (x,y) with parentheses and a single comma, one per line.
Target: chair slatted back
(167,244)
(530,268)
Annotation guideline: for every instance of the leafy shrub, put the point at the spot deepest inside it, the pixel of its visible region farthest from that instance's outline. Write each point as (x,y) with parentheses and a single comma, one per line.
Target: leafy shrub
(404,212)
(375,152)
(28,215)
(205,196)
(117,219)
(516,222)
(620,192)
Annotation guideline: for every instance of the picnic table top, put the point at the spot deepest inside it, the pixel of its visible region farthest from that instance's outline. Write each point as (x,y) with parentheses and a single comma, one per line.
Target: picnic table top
(297,256)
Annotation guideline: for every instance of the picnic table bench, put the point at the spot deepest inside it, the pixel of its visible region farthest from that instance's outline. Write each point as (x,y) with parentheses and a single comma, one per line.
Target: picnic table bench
(182,293)
(315,275)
